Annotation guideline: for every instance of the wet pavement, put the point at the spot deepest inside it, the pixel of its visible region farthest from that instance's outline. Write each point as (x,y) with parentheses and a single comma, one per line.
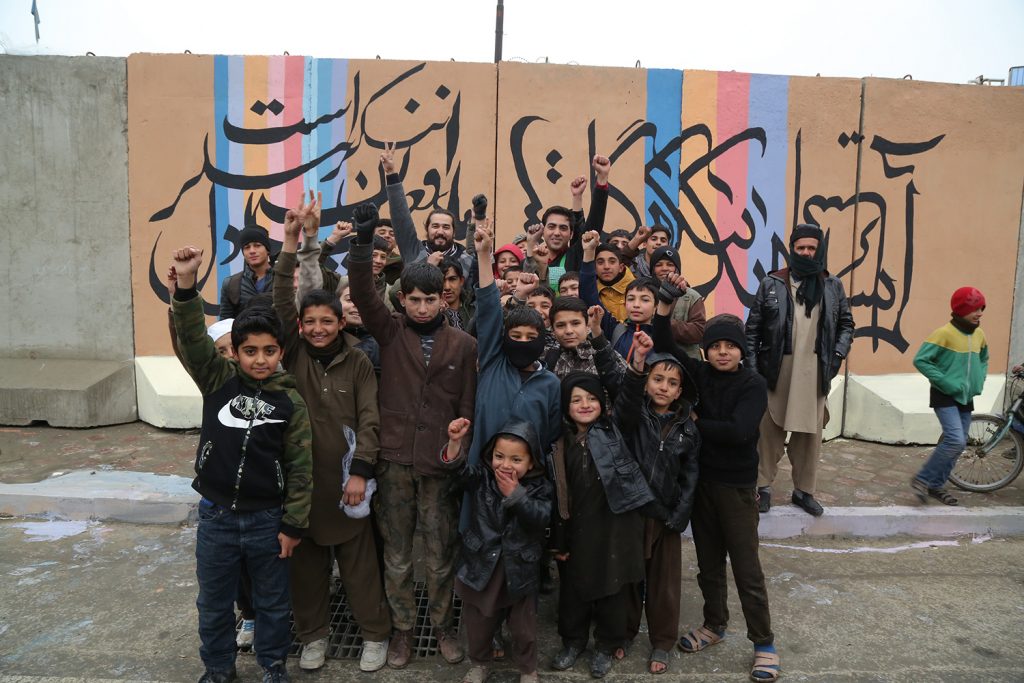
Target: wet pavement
(851,473)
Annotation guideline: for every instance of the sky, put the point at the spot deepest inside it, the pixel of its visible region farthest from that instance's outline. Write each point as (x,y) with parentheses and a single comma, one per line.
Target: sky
(935,40)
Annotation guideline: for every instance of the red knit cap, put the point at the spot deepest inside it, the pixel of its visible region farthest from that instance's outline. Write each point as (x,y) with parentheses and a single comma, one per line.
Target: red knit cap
(966,300)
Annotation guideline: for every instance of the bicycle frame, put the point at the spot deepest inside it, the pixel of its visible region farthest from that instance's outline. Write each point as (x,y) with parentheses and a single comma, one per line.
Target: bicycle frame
(1008,424)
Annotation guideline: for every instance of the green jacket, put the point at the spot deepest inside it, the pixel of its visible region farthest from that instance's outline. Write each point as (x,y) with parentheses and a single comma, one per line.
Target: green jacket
(954,362)
(255,444)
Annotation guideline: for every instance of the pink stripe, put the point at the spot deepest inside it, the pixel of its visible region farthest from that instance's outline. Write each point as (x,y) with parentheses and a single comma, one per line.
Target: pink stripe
(294,85)
(733,107)
(276,153)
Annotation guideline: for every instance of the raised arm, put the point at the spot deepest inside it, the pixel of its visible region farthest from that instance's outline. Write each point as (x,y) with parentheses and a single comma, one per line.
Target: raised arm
(376,317)
(631,395)
(284,270)
(671,289)
(489,320)
(409,245)
(198,354)
(588,282)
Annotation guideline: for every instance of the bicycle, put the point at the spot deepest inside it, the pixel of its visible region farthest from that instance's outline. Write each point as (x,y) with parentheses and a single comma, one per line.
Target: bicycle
(995,451)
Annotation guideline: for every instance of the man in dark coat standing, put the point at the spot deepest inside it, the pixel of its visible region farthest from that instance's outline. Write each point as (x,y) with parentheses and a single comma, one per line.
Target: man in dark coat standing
(798,332)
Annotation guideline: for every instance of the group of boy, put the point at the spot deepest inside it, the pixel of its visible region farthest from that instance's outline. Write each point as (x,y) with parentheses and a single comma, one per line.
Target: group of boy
(297,440)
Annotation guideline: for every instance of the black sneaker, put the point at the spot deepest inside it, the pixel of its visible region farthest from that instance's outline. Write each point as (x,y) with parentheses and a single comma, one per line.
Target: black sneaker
(807,503)
(764,499)
(219,676)
(565,659)
(276,673)
(600,665)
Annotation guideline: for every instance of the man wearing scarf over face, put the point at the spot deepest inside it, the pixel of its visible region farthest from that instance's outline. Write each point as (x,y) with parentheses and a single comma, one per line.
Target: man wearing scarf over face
(799,330)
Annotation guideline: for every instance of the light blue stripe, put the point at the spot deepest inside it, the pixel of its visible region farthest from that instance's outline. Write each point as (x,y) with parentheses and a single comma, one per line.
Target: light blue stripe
(237,107)
(664,110)
(309,142)
(768,109)
(221,85)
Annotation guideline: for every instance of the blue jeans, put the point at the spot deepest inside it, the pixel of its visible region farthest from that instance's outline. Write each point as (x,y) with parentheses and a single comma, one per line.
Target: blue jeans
(223,541)
(952,443)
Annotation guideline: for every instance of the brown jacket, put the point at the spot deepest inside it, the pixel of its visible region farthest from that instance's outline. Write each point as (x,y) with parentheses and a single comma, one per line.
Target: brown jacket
(417,402)
(342,396)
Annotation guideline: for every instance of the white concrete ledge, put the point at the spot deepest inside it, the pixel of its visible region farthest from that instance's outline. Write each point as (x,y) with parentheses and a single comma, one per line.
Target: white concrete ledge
(894,520)
(138,497)
(167,396)
(894,408)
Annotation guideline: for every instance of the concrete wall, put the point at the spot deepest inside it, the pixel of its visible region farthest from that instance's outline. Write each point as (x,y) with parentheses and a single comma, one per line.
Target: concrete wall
(64,200)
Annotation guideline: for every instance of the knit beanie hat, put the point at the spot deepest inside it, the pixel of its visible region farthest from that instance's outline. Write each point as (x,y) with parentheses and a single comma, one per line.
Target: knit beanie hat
(587,381)
(806,230)
(723,327)
(254,233)
(220,328)
(966,300)
(667,252)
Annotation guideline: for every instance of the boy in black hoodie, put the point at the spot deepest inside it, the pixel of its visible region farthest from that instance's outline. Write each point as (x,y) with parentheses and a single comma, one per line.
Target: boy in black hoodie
(733,400)
(254,472)
(665,442)
(499,574)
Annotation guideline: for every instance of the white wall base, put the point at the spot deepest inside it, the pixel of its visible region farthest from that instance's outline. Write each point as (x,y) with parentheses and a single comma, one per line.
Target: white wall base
(167,395)
(894,408)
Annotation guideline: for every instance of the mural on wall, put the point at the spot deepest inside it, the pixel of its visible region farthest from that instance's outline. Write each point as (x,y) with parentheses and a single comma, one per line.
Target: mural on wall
(313,118)
(729,162)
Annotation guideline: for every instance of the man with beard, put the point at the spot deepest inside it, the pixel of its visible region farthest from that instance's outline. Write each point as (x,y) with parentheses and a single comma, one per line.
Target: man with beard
(798,332)
(439,226)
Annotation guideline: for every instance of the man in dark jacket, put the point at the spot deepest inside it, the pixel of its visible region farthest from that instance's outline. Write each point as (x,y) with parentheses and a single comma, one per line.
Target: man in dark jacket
(256,277)
(798,332)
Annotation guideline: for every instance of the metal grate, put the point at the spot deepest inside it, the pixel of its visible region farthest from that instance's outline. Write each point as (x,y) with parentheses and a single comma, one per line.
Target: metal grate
(347,643)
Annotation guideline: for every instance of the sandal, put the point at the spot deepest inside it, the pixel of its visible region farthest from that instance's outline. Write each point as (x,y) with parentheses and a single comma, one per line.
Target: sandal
(700,638)
(767,664)
(498,647)
(478,673)
(943,496)
(658,657)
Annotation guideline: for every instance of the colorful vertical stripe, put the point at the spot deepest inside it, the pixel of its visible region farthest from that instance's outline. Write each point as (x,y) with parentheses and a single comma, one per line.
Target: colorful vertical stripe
(308,89)
(664,110)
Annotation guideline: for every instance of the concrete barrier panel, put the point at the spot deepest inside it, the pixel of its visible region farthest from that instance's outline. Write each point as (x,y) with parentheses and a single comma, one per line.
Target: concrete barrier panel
(167,395)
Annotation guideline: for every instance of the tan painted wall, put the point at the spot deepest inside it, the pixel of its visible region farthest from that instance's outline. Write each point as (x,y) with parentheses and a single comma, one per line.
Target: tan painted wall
(521,132)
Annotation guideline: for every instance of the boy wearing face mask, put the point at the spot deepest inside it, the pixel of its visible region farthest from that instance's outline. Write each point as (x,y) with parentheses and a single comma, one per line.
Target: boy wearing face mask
(512,381)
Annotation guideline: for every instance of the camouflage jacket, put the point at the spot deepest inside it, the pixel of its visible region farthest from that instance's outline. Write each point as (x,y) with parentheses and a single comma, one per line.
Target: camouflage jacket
(255,447)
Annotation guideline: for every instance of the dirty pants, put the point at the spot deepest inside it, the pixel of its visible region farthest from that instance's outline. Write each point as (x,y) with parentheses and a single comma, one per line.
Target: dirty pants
(660,592)
(407,502)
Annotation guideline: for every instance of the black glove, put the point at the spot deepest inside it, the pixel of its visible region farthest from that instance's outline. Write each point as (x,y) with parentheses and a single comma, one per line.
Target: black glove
(365,217)
(479,207)
(669,292)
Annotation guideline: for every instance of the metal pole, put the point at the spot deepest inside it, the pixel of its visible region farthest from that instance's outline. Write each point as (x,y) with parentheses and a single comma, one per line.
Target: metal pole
(499,18)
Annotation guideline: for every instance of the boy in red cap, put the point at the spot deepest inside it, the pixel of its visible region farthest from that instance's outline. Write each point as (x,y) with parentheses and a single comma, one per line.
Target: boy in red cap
(954,358)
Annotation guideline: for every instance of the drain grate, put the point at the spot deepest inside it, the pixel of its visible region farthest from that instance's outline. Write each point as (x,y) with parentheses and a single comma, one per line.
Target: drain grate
(347,643)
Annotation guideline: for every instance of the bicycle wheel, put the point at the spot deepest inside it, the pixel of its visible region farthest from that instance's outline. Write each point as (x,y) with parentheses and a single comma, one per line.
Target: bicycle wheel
(983,472)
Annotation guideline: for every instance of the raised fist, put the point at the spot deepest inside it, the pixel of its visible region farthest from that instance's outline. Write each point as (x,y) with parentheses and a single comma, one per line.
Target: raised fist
(591,240)
(578,186)
(365,217)
(602,167)
(458,428)
(479,207)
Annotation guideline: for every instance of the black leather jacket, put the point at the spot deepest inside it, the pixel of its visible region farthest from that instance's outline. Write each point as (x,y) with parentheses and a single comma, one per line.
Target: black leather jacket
(770,328)
(668,459)
(507,529)
(624,484)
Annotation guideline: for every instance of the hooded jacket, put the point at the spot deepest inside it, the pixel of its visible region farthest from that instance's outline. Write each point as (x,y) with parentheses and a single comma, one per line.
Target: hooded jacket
(770,328)
(667,455)
(254,448)
(507,529)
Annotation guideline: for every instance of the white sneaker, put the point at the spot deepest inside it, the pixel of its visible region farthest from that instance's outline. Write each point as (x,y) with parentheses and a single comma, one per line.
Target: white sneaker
(246,634)
(314,655)
(375,655)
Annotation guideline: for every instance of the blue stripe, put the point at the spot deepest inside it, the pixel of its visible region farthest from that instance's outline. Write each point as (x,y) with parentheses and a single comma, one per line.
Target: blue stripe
(221,85)
(766,168)
(664,110)
(309,107)
(236,161)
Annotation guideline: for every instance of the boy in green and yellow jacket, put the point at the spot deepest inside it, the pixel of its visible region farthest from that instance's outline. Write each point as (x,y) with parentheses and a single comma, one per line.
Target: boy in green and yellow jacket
(954,358)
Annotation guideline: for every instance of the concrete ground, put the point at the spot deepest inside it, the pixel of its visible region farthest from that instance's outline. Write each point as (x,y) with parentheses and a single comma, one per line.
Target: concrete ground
(102,601)
(94,600)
